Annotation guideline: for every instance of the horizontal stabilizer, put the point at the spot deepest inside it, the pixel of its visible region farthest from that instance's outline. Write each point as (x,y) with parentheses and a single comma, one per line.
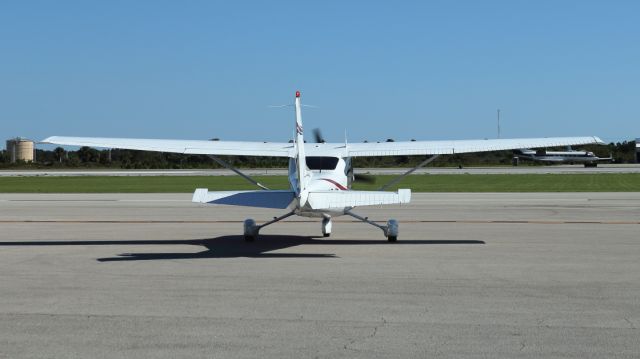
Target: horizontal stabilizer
(262,199)
(342,199)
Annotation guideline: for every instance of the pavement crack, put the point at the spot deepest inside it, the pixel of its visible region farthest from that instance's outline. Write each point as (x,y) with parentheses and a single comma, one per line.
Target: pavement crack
(541,323)
(630,323)
(375,329)
(374,332)
(349,344)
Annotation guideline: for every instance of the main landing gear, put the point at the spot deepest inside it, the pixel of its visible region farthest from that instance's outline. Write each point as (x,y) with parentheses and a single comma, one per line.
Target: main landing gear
(252,230)
(390,231)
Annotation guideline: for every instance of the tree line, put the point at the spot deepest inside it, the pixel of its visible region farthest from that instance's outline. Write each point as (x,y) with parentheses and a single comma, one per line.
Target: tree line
(86,157)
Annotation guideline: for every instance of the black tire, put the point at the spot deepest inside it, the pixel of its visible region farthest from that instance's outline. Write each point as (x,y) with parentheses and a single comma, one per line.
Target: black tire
(249,238)
(326,234)
(392,238)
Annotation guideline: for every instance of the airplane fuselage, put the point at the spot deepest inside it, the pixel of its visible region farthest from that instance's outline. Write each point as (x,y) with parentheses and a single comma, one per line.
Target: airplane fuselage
(325,173)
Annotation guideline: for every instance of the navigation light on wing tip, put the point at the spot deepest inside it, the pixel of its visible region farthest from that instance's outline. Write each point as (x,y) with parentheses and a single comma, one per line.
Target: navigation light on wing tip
(297,93)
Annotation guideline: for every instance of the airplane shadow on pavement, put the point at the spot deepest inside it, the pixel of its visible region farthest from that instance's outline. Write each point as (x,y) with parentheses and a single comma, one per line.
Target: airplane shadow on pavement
(232,246)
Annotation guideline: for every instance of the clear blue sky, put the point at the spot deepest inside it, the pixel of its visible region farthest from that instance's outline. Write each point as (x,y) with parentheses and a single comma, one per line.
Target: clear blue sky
(424,69)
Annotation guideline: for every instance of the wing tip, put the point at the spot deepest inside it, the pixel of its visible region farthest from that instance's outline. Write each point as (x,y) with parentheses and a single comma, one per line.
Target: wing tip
(404,195)
(200,195)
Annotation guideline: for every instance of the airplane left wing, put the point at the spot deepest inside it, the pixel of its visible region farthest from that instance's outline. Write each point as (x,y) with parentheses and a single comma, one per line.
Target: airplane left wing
(262,199)
(194,147)
(460,146)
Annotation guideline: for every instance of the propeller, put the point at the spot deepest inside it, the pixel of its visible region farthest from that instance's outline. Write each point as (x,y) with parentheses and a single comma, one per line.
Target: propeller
(364,178)
(317,135)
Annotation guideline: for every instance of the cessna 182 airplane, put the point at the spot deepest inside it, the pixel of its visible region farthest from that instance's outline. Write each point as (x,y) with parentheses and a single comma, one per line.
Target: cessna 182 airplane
(320,174)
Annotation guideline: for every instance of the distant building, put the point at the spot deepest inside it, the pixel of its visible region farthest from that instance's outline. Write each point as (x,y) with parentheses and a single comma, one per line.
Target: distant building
(637,150)
(20,149)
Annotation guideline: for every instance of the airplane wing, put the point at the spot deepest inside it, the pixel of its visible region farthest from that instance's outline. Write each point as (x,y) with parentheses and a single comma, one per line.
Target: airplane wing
(237,148)
(460,146)
(282,149)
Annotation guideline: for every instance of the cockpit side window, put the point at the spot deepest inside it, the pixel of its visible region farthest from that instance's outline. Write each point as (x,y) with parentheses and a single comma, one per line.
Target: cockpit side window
(322,163)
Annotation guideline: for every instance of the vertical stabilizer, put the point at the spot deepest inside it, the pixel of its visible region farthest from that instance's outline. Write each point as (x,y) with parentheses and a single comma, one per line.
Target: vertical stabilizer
(303,173)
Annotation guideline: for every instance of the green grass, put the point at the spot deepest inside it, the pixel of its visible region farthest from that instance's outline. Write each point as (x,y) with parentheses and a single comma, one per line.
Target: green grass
(600,182)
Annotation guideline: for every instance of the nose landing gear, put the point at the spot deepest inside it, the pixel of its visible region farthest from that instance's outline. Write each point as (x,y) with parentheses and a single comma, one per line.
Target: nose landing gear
(326,226)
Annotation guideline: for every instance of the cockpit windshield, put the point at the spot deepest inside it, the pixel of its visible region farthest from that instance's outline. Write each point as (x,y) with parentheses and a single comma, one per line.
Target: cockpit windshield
(322,163)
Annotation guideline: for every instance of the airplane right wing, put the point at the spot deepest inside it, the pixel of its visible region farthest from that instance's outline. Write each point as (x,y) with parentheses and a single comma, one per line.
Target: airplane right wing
(194,147)
(343,199)
(460,146)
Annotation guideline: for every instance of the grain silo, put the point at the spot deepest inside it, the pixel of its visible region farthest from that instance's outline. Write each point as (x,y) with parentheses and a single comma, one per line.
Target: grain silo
(20,149)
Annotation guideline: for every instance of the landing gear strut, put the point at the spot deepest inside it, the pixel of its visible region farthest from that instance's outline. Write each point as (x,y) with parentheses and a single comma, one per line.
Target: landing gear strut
(390,231)
(251,230)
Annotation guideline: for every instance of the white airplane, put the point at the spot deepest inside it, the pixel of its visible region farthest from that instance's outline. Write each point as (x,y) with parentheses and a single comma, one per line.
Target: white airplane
(569,156)
(320,174)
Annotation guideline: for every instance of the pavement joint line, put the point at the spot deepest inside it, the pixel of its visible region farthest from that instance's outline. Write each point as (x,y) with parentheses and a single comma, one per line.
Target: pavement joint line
(297,319)
(313,221)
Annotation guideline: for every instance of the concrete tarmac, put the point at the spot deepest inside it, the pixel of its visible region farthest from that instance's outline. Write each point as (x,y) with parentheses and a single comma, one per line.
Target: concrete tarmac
(550,275)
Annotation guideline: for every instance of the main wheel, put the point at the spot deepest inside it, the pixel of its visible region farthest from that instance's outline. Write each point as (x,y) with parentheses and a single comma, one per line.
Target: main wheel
(250,230)
(393,227)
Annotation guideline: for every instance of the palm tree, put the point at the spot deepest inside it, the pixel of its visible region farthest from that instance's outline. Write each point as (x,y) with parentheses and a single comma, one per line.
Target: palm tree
(59,151)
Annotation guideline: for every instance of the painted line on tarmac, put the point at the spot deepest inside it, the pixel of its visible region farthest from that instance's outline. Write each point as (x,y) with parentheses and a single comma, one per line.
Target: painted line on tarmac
(312,221)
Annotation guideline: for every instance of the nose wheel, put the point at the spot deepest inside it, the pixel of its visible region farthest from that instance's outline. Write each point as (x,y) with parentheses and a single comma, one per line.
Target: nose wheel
(326,226)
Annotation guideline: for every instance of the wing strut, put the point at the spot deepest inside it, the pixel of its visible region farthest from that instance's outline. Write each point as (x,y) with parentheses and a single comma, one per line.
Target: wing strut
(229,167)
(399,178)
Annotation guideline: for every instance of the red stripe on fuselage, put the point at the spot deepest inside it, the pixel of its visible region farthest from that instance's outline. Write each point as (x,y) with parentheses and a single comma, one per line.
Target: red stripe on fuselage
(335,184)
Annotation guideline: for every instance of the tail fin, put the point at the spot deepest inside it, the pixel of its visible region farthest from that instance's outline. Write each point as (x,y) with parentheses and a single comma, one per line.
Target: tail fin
(303,174)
